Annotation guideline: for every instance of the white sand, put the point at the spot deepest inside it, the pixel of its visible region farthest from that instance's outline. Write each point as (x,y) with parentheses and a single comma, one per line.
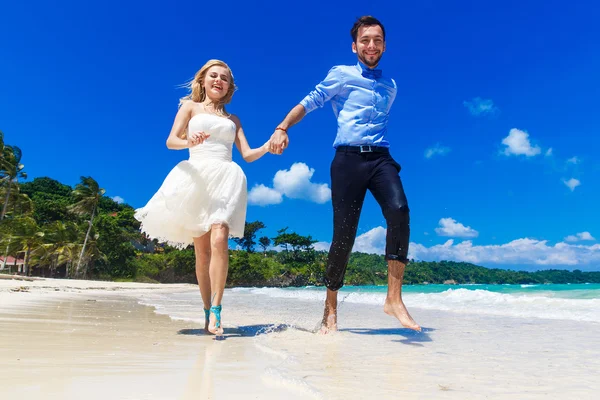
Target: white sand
(66,339)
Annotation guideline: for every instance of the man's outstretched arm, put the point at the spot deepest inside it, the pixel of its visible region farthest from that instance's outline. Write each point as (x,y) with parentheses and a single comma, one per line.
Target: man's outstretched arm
(324,91)
(279,139)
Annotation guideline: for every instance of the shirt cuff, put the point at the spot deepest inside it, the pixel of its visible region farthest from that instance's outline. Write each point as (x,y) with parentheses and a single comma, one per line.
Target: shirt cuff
(308,104)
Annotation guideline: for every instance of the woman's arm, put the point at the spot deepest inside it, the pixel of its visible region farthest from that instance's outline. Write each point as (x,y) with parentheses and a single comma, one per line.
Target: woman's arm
(241,143)
(177,139)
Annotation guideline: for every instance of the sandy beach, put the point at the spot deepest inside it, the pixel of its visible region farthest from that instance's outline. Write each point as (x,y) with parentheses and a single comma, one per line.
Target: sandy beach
(68,339)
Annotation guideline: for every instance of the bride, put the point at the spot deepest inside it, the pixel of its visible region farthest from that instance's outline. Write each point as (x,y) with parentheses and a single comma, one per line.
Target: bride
(203,199)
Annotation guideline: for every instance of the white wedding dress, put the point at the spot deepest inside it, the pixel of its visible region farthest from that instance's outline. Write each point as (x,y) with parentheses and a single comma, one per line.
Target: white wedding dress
(206,189)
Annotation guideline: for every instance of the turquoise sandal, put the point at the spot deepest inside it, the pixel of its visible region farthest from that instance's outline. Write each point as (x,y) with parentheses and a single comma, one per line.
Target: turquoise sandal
(217,311)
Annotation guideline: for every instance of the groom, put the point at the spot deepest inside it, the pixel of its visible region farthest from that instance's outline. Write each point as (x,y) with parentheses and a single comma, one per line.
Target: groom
(361,97)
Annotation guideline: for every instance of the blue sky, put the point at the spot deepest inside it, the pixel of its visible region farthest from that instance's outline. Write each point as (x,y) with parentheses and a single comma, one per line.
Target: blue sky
(496,122)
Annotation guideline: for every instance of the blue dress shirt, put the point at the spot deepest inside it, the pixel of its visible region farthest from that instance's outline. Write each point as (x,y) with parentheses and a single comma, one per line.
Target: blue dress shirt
(361,99)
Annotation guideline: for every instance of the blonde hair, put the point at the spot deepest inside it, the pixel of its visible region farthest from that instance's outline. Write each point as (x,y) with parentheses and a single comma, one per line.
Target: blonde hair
(196,85)
(198,94)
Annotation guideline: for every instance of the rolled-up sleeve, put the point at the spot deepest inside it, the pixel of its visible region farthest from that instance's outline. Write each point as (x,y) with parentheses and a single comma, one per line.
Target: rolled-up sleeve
(324,91)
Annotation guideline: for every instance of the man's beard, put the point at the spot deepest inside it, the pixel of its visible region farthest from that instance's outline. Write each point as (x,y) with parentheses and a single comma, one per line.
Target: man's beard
(370,64)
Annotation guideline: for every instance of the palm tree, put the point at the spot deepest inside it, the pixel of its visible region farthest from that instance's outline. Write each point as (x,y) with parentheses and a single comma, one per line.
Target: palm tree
(87,194)
(22,205)
(1,153)
(11,171)
(60,244)
(7,239)
(1,150)
(18,203)
(26,236)
(92,251)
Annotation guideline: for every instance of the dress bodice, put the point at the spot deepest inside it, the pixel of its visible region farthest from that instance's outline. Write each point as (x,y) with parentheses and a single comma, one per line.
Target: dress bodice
(222,135)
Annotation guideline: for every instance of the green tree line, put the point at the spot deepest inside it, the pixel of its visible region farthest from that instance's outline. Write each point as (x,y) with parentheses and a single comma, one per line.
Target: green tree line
(78,232)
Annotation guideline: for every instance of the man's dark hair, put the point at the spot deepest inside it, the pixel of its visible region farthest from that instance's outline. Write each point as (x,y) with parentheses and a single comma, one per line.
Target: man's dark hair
(366,20)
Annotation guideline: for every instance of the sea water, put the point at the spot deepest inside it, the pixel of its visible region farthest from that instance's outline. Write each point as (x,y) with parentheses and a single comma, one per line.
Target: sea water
(577,302)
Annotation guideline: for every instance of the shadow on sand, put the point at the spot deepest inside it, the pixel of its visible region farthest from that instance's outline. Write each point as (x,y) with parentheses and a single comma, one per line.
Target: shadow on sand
(411,337)
(241,331)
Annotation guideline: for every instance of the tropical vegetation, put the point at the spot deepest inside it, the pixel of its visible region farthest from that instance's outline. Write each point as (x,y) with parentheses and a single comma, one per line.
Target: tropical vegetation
(79,232)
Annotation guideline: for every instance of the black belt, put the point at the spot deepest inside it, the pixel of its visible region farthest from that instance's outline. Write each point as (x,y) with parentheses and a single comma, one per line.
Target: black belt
(362,149)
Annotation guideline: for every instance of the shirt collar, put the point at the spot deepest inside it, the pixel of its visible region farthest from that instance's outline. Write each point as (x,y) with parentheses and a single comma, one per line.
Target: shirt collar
(368,72)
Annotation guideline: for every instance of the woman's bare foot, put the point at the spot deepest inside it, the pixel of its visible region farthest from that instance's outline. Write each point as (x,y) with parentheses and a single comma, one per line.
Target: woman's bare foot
(399,311)
(212,326)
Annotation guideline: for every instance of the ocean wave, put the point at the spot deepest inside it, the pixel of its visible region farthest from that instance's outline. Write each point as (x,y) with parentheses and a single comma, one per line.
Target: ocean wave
(465,301)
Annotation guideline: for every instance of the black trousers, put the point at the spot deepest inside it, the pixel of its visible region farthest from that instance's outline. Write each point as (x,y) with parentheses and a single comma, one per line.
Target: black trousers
(352,174)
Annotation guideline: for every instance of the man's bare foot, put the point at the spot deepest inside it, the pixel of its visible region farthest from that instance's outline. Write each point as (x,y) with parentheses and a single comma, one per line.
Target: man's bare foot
(329,323)
(399,311)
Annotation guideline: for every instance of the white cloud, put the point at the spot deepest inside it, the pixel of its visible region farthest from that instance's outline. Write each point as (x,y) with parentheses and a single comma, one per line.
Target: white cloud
(437,149)
(118,199)
(585,236)
(572,183)
(574,160)
(517,143)
(277,248)
(549,152)
(579,236)
(453,228)
(518,252)
(480,107)
(322,246)
(371,242)
(294,183)
(263,196)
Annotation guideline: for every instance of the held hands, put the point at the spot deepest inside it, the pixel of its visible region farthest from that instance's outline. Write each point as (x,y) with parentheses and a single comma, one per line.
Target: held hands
(279,141)
(268,147)
(196,138)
